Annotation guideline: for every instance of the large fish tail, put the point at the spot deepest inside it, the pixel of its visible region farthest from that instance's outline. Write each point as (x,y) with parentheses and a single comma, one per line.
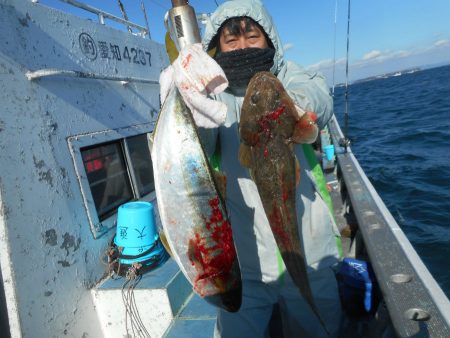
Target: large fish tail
(283,222)
(297,271)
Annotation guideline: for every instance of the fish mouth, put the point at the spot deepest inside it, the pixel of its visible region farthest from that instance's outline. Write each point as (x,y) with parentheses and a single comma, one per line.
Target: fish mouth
(222,290)
(230,300)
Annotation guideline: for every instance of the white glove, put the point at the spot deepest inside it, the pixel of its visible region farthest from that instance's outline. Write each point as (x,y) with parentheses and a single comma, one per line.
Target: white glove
(197,75)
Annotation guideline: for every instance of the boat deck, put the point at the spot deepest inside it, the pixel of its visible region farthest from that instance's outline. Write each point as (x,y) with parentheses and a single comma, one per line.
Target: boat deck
(163,300)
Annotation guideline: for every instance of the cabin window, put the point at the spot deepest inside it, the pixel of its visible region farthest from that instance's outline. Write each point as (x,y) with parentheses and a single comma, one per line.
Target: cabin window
(118,172)
(113,167)
(107,176)
(141,163)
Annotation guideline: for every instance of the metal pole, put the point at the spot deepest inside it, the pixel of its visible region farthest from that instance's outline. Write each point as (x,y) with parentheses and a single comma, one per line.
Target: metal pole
(346,80)
(146,19)
(40,73)
(334,45)
(101,18)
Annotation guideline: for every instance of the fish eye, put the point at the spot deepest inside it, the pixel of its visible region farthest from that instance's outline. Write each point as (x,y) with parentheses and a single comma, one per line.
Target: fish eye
(273,95)
(254,98)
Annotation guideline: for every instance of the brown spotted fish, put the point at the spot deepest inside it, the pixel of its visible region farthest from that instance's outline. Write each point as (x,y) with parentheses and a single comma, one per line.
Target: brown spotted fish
(267,129)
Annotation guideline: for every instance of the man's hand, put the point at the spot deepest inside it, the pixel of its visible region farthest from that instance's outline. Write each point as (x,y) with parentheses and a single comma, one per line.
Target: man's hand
(197,75)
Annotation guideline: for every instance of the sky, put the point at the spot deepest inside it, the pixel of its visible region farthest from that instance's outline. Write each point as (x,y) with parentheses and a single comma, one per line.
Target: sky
(385,35)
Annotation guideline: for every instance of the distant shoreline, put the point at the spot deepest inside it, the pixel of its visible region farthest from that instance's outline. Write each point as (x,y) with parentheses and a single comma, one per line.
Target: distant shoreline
(392,74)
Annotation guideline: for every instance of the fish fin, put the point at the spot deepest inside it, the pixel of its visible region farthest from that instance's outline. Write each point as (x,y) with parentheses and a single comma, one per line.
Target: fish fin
(245,155)
(151,138)
(246,158)
(195,257)
(171,48)
(165,243)
(252,174)
(221,182)
(306,130)
(297,171)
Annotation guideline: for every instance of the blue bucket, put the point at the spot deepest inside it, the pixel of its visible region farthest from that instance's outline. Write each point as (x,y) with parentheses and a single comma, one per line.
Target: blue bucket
(329,152)
(136,232)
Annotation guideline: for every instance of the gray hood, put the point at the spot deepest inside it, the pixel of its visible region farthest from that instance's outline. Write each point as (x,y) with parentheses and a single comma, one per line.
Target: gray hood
(253,9)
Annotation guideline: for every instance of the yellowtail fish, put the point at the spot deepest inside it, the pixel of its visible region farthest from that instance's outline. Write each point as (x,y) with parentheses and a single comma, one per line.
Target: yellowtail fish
(192,211)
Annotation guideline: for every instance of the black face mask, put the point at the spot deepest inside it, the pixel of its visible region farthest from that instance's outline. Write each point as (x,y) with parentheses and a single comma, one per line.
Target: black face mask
(241,64)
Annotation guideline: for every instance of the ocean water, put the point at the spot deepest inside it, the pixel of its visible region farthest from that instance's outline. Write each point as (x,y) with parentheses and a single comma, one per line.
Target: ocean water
(400,133)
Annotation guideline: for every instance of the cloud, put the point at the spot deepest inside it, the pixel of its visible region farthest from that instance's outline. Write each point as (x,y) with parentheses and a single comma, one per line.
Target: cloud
(401,54)
(375,62)
(376,56)
(372,55)
(325,64)
(288,46)
(440,43)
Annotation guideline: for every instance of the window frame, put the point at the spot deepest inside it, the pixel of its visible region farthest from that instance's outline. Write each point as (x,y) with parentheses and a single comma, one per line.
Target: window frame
(77,142)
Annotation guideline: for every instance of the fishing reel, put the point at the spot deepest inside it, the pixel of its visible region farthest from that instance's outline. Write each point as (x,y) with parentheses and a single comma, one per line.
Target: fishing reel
(345,143)
(181,23)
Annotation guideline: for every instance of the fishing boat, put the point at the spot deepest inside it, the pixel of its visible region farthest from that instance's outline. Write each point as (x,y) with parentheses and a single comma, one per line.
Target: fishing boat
(80,100)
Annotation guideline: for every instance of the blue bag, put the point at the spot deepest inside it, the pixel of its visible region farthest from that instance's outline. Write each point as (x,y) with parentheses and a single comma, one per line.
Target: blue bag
(356,286)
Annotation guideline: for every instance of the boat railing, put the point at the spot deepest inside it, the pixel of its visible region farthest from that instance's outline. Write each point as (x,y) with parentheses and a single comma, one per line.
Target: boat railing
(143,31)
(40,73)
(417,305)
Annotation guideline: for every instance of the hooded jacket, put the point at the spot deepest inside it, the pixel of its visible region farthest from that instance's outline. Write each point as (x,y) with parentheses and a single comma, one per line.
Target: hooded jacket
(257,251)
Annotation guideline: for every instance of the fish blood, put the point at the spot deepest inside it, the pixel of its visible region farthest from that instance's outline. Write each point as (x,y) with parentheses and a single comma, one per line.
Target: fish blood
(185,63)
(213,253)
(278,228)
(266,128)
(275,115)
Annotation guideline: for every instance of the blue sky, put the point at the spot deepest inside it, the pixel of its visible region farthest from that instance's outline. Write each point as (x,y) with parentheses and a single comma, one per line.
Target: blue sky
(385,35)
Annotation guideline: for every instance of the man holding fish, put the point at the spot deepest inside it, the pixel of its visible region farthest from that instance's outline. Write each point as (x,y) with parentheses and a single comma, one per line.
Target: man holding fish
(283,231)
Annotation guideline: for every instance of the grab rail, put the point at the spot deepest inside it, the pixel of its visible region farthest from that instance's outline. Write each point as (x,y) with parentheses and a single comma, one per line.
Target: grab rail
(102,15)
(37,74)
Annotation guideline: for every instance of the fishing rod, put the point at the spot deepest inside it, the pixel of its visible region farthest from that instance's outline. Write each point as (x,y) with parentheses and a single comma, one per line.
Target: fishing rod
(334,46)
(124,13)
(345,141)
